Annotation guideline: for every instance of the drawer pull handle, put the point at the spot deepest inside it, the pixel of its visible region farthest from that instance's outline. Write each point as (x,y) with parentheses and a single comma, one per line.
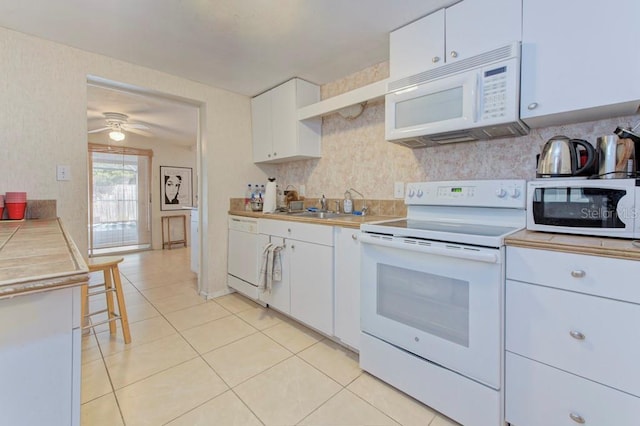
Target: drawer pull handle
(578,273)
(577,418)
(577,335)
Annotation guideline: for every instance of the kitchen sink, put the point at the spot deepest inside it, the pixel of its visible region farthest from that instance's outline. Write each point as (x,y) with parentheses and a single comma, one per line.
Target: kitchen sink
(317,215)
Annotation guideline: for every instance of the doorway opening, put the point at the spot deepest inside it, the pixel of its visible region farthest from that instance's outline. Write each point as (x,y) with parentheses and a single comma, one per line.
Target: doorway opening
(155,131)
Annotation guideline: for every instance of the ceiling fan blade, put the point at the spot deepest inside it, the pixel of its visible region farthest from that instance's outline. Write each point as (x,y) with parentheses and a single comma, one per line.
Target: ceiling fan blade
(135,126)
(140,132)
(102,129)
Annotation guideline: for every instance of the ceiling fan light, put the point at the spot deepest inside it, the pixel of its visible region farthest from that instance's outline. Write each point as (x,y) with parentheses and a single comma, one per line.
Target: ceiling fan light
(116,135)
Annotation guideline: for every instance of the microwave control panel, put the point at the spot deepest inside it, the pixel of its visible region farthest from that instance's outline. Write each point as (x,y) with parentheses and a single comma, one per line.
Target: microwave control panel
(494,92)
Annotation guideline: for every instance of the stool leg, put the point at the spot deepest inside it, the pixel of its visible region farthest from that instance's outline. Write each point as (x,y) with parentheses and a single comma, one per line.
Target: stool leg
(84,306)
(108,284)
(121,307)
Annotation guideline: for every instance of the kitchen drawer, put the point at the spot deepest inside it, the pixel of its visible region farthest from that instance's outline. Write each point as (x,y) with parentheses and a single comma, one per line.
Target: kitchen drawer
(537,395)
(540,320)
(318,234)
(601,276)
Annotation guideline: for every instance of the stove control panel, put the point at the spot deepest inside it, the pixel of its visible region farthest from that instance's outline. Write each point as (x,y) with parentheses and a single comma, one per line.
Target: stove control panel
(509,193)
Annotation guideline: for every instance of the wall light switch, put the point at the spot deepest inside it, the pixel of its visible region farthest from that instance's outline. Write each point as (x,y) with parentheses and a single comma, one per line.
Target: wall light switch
(63,172)
(398,190)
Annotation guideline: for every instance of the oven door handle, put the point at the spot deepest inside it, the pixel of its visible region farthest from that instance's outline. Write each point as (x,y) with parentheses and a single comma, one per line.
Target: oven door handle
(445,250)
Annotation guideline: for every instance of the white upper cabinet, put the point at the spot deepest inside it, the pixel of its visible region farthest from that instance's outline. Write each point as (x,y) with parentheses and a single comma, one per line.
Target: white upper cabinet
(580,60)
(417,47)
(478,26)
(458,32)
(278,136)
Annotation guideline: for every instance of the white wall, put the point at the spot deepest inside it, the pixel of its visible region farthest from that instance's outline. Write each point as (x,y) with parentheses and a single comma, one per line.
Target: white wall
(43,122)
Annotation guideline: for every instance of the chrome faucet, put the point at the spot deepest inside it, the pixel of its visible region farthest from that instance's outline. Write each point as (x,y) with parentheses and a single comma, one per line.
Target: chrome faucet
(323,204)
(364,202)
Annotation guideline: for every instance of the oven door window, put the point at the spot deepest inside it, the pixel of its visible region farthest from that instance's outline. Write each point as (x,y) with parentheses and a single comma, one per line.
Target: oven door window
(578,207)
(435,304)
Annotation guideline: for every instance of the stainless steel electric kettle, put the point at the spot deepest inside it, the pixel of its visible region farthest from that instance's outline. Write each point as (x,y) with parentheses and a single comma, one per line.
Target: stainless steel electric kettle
(562,157)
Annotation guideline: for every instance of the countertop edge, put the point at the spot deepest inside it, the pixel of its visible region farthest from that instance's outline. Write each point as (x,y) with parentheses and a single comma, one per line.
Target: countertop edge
(588,245)
(352,221)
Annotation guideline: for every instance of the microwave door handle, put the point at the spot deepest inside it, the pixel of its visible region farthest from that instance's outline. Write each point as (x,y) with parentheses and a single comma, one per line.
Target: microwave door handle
(476,105)
(625,209)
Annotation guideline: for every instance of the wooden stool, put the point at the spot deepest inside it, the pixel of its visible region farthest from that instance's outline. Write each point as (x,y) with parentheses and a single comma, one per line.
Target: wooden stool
(112,283)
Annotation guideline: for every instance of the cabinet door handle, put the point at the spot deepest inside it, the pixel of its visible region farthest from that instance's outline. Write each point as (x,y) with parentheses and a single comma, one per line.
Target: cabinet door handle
(532,105)
(292,247)
(354,236)
(454,54)
(275,153)
(577,335)
(268,155)
(578,273)
(577,418)
(435,59)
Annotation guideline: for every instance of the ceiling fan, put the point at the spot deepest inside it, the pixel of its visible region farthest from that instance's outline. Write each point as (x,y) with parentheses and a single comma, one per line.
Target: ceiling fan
(117,123)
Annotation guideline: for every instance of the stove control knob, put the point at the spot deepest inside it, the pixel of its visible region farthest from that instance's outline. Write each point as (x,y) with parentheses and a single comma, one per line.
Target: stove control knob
(514,193)
(411,193)
(501,193)
(419,193)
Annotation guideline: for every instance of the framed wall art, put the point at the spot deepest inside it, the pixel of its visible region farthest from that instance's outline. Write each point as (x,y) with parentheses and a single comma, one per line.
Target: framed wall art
(176,188)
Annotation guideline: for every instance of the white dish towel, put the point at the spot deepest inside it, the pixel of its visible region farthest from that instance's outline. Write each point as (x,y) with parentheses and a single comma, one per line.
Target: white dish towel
(271,268)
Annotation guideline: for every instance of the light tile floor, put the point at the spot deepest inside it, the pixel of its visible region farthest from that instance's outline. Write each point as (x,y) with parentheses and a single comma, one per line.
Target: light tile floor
(226,361)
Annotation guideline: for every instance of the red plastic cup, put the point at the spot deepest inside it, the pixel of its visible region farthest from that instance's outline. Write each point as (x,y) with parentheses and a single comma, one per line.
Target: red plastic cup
(15,211)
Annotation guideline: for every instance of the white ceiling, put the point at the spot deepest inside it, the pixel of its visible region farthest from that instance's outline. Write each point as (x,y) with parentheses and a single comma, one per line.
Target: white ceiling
(244,46)
(167,121)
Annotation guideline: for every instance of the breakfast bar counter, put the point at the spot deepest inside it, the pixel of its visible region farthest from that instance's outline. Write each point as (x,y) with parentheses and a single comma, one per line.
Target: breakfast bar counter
(38,255)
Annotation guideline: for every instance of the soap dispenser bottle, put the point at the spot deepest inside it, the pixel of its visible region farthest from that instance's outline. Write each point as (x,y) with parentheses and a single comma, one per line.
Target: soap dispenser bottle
(347,203)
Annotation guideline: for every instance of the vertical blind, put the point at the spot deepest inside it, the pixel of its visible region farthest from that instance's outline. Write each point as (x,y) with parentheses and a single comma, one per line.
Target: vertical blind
(119,198)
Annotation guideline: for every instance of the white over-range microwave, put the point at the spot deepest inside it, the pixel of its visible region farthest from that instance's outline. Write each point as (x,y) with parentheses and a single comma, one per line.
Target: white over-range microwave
(601,207)
(472,99)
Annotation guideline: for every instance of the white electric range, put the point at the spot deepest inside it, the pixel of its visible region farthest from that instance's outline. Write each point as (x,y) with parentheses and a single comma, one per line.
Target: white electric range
(432,295)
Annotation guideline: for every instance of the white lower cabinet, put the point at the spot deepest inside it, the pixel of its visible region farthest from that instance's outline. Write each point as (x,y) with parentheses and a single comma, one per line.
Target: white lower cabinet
(40,362)
(572,339)
(306,289)
(280,295)
(311,269)
(347,286)
(539,395)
